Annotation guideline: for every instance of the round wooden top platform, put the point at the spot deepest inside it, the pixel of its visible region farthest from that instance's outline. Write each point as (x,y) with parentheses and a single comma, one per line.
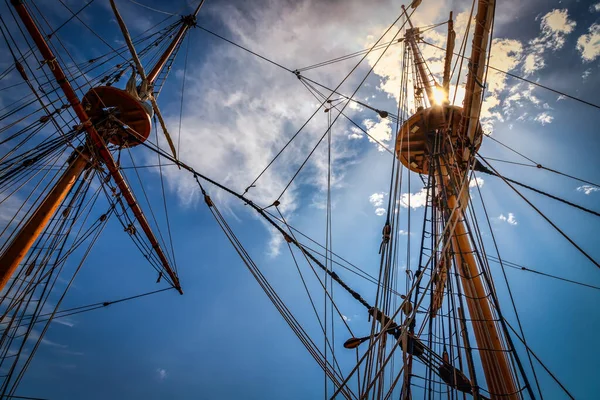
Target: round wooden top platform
(136,125)
(416,135)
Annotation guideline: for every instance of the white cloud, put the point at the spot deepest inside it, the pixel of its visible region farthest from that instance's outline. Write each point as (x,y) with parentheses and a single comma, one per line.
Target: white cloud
(63,321)
(544,118)
(355,133)
(476,181)
(376,199)
(586,74)
(380,211)
(345,318)
(505,55)
(416,200)
(510,219)
(380,131)
(238,114)
(589,44)
(555,26)
(595,7)
(402,232)
(161,374)
(588,189)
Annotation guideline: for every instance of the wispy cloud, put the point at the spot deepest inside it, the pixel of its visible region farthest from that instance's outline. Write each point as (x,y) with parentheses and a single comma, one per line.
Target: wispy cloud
(587,189)
(238,115)
(355,133)
(510,219)
(161,374)
(554,28)
(544,118)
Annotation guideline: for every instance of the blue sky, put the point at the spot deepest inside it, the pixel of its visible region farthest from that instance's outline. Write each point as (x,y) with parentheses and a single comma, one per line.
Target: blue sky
(223,339)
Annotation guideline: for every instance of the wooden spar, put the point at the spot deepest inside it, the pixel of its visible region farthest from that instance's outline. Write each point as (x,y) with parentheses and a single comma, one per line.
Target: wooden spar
(475,76)
(148,80)
(465,337)
(496,366)
(419,62)
(186,24)
(31,230)
(94,138)
(448,60)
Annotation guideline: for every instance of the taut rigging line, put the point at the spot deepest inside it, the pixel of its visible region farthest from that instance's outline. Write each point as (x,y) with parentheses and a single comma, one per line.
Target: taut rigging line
(596,263)
(388,326)
(482,168)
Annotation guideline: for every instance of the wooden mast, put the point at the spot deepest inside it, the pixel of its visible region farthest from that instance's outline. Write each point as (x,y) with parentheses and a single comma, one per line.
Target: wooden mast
(187,22)
(414,147)
(411,38)
(496,366)
(27,235)
(24,239)
(475,77)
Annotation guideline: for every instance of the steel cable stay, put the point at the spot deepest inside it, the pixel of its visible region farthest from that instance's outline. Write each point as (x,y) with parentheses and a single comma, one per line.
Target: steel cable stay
(312,303)
(343,263)
(361,52)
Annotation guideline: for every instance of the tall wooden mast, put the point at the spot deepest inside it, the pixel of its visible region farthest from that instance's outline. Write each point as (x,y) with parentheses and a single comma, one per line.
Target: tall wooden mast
(135,122)
(441,141)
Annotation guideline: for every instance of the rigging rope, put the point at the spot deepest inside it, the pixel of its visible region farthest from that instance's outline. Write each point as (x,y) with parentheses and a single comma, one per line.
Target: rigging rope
(522,79)
(481,168)
(538,165)
(562,233)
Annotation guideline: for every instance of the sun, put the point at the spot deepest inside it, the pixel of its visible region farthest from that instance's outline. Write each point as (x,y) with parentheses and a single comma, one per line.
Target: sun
(439,95)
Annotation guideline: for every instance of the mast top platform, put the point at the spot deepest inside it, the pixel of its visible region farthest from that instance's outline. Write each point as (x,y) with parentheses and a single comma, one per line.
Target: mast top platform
(414,143)
(121,119)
